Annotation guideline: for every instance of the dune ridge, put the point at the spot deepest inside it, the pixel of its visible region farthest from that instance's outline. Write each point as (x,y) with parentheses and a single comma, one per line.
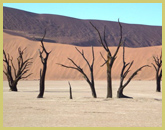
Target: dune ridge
(78,31)
(60,53)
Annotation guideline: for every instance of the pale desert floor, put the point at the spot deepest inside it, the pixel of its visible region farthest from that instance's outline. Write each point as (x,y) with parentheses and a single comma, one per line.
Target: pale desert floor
(23,109)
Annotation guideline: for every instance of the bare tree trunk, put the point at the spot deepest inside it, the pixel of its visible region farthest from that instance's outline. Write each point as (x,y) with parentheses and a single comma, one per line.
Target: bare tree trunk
(43,72)
(42,81)
(109,82)
(158,88)
(120,94)
(71,93)
(120,89)
(92,87)
(92,84)
(13,86)
(158,84)
(70,90)
(93,90)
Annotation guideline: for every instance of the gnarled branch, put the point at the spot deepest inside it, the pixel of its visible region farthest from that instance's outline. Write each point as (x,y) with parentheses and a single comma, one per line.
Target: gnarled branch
(23,68)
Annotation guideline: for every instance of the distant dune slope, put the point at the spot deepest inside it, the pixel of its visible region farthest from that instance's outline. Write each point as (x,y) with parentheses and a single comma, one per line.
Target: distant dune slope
(67,30)
(60,52)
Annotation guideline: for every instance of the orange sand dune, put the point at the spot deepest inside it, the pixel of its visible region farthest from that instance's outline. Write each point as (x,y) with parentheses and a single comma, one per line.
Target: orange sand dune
(60,52)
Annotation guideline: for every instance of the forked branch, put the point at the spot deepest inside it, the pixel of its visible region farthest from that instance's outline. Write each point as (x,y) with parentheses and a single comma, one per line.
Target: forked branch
(125,70)
(90,80)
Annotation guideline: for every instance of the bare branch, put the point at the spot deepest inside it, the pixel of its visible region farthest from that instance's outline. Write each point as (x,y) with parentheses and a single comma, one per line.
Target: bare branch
(24,49)
(133,75)
(82,54)
(13,66)
(19,75)
(124,66)
(120,41)
(161,57)
(42,59)
(74,63)
(67,66)
(154,67)
(93,57)
(102,56)
(160,75)
(104,63)
(42,44)
(101,41)
(7,67)
(27,76)
(5,60)
(128,69)
(124,53)
(105,38)
(5,72)
(78,68)
(25,67)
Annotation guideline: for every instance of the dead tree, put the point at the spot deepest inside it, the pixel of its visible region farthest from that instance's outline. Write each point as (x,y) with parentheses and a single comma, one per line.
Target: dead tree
(110,58)
(70,90)
(158,69)
(79,69)
(43,71)
(125,70)
(14,74)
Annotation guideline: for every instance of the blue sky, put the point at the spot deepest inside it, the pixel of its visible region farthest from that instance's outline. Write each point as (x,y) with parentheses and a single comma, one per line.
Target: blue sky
(134,13)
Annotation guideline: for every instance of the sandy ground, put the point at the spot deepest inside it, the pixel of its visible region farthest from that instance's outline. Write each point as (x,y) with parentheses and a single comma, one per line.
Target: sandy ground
(23,109)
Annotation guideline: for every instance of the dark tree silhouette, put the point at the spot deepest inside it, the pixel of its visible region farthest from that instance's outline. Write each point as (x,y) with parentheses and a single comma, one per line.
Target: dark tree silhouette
(79,69)
(158,68)
(43,71)
(125,70)
(14,74)
(110,58)
(70,90)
